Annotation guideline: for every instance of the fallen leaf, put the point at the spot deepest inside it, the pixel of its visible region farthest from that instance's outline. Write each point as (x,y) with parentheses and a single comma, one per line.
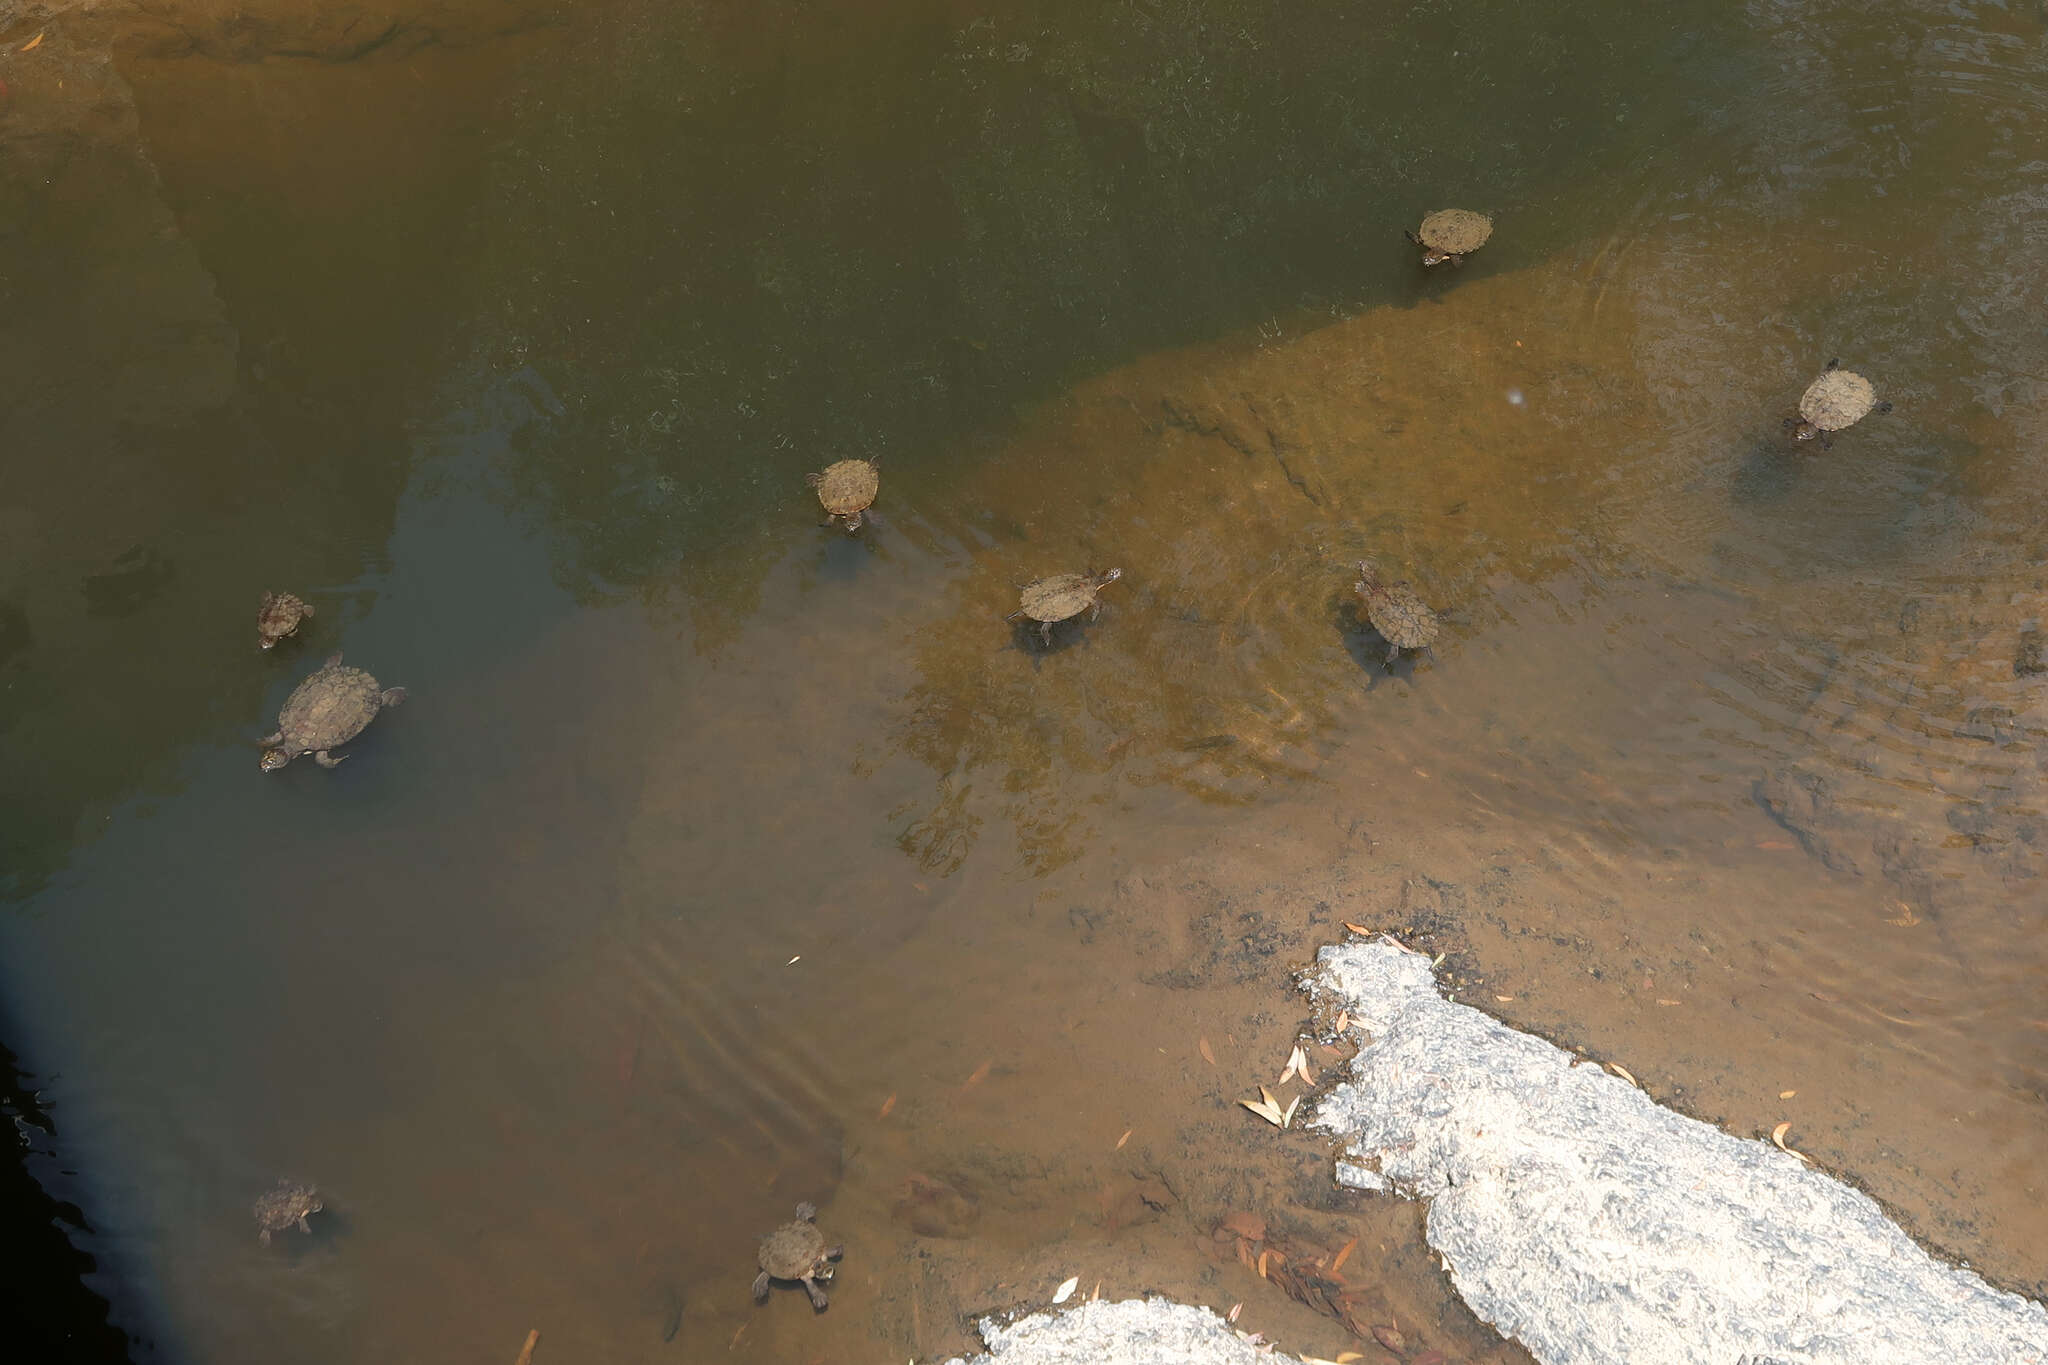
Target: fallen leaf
(1419,773)
(1778,1136)
(1262,1263)
(1235,1309)
(1504,999)
(1391,1338)
(1202,1046)
(1279,1256)
(1344,1254)
(1670,1002)
(793,961)
(1244,1253)
(1268,1108)
(1786,1094)
(1097,1295)
(1618,1069)
(1343,1020)
(980,1073)
(1125,1138)
(1297,1065)
(1066,1289)
(1288,1117)
(1356,928)
(34,42)
(887,1105)
(1346,1357)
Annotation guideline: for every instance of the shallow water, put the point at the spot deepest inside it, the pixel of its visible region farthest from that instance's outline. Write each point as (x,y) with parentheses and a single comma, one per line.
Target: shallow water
(720,861)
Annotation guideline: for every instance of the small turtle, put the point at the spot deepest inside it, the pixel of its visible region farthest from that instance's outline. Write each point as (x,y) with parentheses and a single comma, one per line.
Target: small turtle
(797,1251)
(847,489)
(1049,601)
(284,1206)
(330,708)
(1401,618)
(1839,398)
(277,616)
(1451,235)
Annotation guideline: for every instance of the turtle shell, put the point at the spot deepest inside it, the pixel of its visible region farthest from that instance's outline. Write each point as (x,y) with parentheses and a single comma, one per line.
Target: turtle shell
(1395,611)
(1456,231)
(277,616)
(1839,398)
(280,1208)
(329,708)
(793,1250)
(1064,594)
(848,487)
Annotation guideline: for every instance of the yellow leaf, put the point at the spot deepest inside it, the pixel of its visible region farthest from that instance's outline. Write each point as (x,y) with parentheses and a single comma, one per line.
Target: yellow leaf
(1356,928)
(34,42)
(1344,1254)
(1618,1069)
(1262,1263)
(1202,1046)
(1786,1094)
(1125,1138)
(887,1105)
(1066,1289)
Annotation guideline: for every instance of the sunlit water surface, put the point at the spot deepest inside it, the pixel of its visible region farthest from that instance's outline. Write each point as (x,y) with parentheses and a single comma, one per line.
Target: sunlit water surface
(720,861)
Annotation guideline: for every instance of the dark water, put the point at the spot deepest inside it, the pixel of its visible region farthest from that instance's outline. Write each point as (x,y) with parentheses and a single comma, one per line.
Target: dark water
(720,861)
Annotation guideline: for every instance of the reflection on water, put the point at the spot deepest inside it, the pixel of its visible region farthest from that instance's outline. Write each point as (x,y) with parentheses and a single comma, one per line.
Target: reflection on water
(721,862)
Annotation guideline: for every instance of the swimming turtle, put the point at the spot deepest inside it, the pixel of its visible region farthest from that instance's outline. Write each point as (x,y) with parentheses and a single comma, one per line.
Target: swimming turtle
(797,1251)
(1049,601)
(328,709)
(1401,618)
(1451,235)
(847,489)
(284,1206)
(277,616)
(1839,398)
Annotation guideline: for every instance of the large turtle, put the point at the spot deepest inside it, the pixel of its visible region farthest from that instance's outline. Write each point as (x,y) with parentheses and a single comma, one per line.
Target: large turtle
(277,616)
(847,489)
(1451,235)
(328,709)
(797,1251)
(1839,398)
(284,1207)
(1403,620)
(1063,596)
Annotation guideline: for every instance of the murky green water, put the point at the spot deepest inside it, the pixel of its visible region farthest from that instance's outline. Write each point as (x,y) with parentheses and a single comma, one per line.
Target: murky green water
(720,861)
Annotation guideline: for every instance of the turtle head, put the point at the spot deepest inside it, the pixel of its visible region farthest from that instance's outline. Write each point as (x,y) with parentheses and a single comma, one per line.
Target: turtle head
(314,1203)
(1432,256)
(1368,573)
(1107,577)
(1805,431)
(273,759)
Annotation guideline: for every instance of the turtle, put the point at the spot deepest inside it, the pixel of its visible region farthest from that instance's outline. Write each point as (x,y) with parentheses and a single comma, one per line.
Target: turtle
(1451,235)
(847,489)
(277,616)
(1838,399)
(797,1251)
(330,708)
(1049,601)
(281,1208)
(1403,620)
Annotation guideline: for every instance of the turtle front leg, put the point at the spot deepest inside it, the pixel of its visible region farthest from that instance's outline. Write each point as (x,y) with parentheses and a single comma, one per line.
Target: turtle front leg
(1393,656)
(818,1299)
(327,760)
(305,1226)
(761,1287)
(1095,611)
(264,1237)
(1045,633)
(272,741)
